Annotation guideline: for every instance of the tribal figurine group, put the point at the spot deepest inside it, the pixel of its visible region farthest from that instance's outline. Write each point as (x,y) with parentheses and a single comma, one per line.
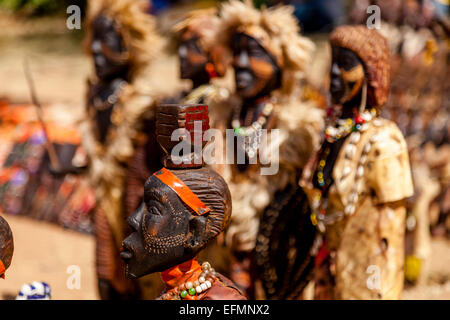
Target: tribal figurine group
(158,212)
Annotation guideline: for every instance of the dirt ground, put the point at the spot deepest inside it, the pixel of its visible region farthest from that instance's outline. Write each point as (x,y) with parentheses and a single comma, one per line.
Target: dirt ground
(43,251)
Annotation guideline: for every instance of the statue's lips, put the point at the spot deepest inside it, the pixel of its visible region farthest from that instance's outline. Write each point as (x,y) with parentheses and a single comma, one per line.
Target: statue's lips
(243,79)
(126,255)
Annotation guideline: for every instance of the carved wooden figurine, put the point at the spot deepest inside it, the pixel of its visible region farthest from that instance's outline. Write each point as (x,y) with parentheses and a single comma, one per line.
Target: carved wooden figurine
(185,207)
(269,55)
(360,178)
(6,247)
(202,55)
(122,42)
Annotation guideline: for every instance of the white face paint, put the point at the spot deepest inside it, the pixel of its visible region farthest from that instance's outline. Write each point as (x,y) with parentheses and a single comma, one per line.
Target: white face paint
(182,51)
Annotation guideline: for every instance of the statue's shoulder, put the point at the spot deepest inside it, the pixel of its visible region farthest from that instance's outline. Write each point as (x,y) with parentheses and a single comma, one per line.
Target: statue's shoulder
(386,137)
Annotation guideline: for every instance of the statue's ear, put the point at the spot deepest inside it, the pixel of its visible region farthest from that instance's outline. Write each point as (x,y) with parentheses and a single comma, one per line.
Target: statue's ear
(197,234)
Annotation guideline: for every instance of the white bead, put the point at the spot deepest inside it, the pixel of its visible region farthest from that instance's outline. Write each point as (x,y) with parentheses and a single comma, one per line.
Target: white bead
(201,279)
(355,137)
(198,289)
(189,285)
(363,159)
(346,171)
(366,116)
(350,152)
(206,266)
(360,171)
(367,148)
(349,209)
(208,283)
(321,226)
(204,286)
(353,197)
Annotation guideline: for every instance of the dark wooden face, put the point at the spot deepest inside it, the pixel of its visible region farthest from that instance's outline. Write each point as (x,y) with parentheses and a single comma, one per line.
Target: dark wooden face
(160,227)
(6,243)
(346,75)
(256,72)
(106,47)
(193,59)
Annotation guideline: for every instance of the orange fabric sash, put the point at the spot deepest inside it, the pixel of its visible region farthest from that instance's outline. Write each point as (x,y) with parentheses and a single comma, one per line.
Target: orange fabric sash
(182,190)
(2,269)
(181,273)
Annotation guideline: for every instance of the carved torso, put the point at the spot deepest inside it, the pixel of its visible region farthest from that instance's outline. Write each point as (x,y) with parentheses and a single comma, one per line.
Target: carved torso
(374,234)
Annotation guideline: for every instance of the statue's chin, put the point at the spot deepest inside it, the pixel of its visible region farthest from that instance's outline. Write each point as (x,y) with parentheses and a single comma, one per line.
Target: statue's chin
(130,275)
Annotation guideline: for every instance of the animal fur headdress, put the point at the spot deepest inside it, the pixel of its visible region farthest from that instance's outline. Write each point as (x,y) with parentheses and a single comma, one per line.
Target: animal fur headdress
(276,29)
(137,28)
(203,22)
(206,24)
(372,48)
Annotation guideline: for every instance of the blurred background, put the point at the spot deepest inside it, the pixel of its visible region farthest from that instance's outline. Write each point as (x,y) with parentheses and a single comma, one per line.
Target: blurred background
(51,216)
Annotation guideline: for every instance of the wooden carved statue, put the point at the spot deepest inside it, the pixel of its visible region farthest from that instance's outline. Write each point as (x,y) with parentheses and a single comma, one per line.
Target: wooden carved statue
(201,63)
(197,42)
(6,247)
(202,56)
(122,42)
(417,33)
(358,181)
(185,207)
(269,55)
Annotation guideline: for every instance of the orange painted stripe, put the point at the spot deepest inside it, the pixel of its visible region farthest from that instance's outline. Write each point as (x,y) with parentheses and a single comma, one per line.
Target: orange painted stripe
(182,190)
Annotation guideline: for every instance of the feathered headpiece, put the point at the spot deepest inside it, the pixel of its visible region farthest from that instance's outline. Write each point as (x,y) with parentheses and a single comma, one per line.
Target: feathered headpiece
(277,31)
(206,24)
(137,28)
(203,22)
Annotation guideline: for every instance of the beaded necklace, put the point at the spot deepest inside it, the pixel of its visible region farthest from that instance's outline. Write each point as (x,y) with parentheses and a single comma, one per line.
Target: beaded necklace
(111,100)
(189,290)
(333,133)
(252,134)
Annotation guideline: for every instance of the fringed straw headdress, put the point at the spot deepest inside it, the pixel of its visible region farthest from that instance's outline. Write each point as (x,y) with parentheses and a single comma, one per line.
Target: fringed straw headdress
(137,28)
(206,24)
(276,29)
(372,48)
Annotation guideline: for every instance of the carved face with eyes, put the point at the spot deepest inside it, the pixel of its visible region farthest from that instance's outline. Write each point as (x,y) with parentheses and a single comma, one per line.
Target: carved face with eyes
(159,227)
(108,49)
(193,59)
(256,72)
(165,231)
(347,75)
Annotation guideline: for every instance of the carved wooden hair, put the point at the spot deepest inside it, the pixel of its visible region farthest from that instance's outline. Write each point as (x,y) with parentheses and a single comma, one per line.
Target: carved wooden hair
(213,191)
